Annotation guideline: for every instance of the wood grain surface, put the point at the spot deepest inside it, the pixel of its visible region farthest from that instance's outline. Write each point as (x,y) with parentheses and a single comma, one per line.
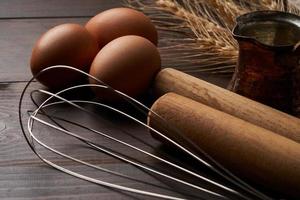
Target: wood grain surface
(55,8)
(22,174)
(171,80)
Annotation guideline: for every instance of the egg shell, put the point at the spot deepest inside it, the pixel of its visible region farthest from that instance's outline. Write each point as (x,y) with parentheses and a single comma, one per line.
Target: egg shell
(118,22)
(127,64)
(66,44)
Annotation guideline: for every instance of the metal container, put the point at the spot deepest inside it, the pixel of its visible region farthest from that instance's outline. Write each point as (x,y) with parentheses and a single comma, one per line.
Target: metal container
(269,55)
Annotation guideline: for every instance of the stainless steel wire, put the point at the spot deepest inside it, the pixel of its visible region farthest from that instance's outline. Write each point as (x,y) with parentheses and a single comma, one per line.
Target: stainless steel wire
(245,191)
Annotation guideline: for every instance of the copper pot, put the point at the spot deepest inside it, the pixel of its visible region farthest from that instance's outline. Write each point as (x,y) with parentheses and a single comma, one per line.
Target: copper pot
(269,57)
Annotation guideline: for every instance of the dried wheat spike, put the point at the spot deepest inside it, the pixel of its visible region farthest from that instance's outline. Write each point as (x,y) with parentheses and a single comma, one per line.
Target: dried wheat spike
(196,34)
(226,10)
(200,26)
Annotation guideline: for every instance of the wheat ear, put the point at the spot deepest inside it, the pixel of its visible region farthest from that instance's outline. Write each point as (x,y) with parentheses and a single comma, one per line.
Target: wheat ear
(195,35)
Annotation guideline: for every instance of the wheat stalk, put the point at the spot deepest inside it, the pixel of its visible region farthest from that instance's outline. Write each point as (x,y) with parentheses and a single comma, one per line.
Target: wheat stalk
(228,10)
(206,30)
(195,35)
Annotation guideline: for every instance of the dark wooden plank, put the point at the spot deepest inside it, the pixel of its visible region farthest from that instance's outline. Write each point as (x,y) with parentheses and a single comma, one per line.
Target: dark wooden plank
(54,8)
(58,8)
(11,137)
(40,182)
(24,176)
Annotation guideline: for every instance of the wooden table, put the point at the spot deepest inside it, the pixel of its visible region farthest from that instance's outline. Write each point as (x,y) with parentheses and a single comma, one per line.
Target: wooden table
(22,174)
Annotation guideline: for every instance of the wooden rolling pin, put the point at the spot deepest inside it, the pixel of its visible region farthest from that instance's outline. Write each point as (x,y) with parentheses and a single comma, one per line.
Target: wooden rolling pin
(171,80)
(251,152)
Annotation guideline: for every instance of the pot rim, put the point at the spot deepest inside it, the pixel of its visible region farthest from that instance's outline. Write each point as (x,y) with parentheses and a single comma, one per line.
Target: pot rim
(265,15)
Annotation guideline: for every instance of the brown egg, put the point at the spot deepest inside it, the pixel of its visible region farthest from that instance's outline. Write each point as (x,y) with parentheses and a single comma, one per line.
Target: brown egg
(127,64)
(66,44)
(118,22)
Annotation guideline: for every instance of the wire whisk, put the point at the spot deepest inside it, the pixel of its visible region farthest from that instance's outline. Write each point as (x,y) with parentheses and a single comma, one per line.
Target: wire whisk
(100,134)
